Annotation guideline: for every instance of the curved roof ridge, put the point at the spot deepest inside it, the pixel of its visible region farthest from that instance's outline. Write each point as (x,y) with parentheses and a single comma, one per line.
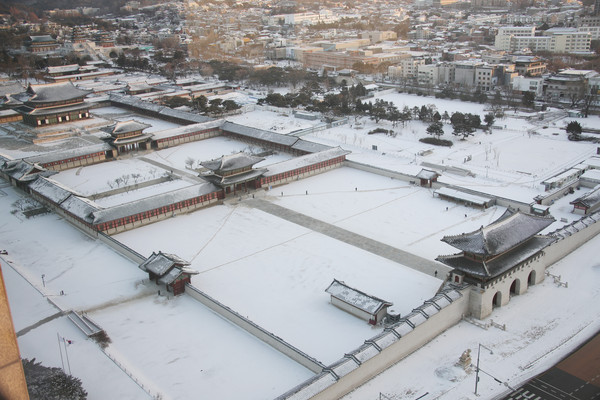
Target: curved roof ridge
(500,236)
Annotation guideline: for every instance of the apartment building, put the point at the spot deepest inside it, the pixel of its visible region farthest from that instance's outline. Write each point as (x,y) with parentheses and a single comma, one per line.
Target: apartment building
(555,40)
(406,68)
(569,40)
(524,84)
(506,34)
(530,66)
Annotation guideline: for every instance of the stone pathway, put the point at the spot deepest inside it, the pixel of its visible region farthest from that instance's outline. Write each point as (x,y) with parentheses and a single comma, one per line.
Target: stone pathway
(41,322)
(415,262)
(174,171)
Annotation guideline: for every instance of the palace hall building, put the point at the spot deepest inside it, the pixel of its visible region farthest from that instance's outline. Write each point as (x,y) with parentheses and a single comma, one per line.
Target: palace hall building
(54,103)
(234,172)
(499,260)
(128,136)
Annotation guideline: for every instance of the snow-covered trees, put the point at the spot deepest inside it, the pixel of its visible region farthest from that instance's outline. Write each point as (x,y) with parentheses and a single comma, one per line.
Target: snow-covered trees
(51,383)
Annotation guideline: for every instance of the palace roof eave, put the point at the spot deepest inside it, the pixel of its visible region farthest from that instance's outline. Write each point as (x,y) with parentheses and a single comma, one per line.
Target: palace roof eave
(40,112)
(498,265)
(502,235)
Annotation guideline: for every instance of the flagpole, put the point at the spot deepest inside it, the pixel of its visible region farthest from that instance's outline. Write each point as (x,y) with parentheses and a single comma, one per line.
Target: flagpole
(67,355)
(60,350)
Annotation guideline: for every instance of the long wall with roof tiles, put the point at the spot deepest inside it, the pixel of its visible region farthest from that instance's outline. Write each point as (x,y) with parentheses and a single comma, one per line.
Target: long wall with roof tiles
(380,352)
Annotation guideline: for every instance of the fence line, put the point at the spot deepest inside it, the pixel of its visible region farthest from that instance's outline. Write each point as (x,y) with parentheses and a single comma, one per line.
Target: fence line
(133,378)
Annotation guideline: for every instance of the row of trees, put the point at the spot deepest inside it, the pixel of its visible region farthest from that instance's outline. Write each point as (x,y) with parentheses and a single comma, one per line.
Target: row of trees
(216,106)
(463,124)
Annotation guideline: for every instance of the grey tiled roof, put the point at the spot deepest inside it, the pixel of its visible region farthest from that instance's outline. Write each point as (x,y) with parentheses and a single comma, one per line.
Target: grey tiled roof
(151,203)
(55,92)
(159,263)
(232,162)
(127,126)
(358,299)
(500,264)
(501,235)
(590,199)
(259,134)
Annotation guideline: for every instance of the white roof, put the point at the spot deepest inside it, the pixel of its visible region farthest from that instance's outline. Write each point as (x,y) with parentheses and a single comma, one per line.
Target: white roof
(455,194)
(356,298)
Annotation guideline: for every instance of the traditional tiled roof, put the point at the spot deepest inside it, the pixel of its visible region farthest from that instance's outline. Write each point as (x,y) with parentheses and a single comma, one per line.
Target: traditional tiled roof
(62,69)
(167,266)
(68,153)
(23,170)
(309,147)
(41,38)
(356,298)
(259,134)
(500,264)
(306,160)
(501,235)
(427,174)
(232,162)
(52,92)
(154,202)
(462,196)
(160,263)
(126,127)
(237,178)
(53,110)
(588,200)
(8,88)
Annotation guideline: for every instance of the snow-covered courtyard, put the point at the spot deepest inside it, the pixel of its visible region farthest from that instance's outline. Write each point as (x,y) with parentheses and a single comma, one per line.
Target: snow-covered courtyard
(275,272)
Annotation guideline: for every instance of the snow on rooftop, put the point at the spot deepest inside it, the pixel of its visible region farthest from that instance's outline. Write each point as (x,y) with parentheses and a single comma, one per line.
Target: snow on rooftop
(356,298)
(302,161)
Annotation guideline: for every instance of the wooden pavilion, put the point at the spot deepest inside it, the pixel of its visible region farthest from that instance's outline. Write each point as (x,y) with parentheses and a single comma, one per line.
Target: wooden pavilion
(168,270)
(54,103)
(128,136)
(234,172)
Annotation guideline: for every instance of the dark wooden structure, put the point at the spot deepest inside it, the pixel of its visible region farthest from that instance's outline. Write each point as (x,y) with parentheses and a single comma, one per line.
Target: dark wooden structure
(169,270)
(234,172)
(128,136)
(54,103)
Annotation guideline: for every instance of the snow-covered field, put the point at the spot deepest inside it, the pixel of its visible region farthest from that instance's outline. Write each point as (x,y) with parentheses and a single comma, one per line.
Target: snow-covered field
(119,114)
(102,177)
(272,121)
(209,149)
(275,272)
(173,347)
(279,280)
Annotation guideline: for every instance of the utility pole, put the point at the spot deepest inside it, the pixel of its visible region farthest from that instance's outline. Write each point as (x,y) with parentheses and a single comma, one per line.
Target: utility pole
(477,367)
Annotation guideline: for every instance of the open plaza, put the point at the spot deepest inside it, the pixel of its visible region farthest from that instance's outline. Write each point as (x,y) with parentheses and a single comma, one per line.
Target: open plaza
(332,203)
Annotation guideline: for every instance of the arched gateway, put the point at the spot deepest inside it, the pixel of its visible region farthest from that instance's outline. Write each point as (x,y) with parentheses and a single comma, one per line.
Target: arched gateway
(499,258)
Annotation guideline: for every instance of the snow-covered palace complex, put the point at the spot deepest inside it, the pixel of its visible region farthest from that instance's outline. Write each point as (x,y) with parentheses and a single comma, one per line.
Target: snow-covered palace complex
(60,131)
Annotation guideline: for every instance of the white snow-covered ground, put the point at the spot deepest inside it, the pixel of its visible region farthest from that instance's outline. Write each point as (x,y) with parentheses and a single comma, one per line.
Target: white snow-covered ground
(290,269)
(209,149)
(173,347)
(119,114)
(273,121)
(102,177)
(542,326)
(275,272)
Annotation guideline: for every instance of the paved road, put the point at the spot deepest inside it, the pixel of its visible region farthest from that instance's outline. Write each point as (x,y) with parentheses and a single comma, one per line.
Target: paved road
(575,378)
(372,246)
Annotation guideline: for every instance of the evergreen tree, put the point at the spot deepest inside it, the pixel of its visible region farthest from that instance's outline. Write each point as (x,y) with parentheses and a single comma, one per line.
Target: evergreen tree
(436,129)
